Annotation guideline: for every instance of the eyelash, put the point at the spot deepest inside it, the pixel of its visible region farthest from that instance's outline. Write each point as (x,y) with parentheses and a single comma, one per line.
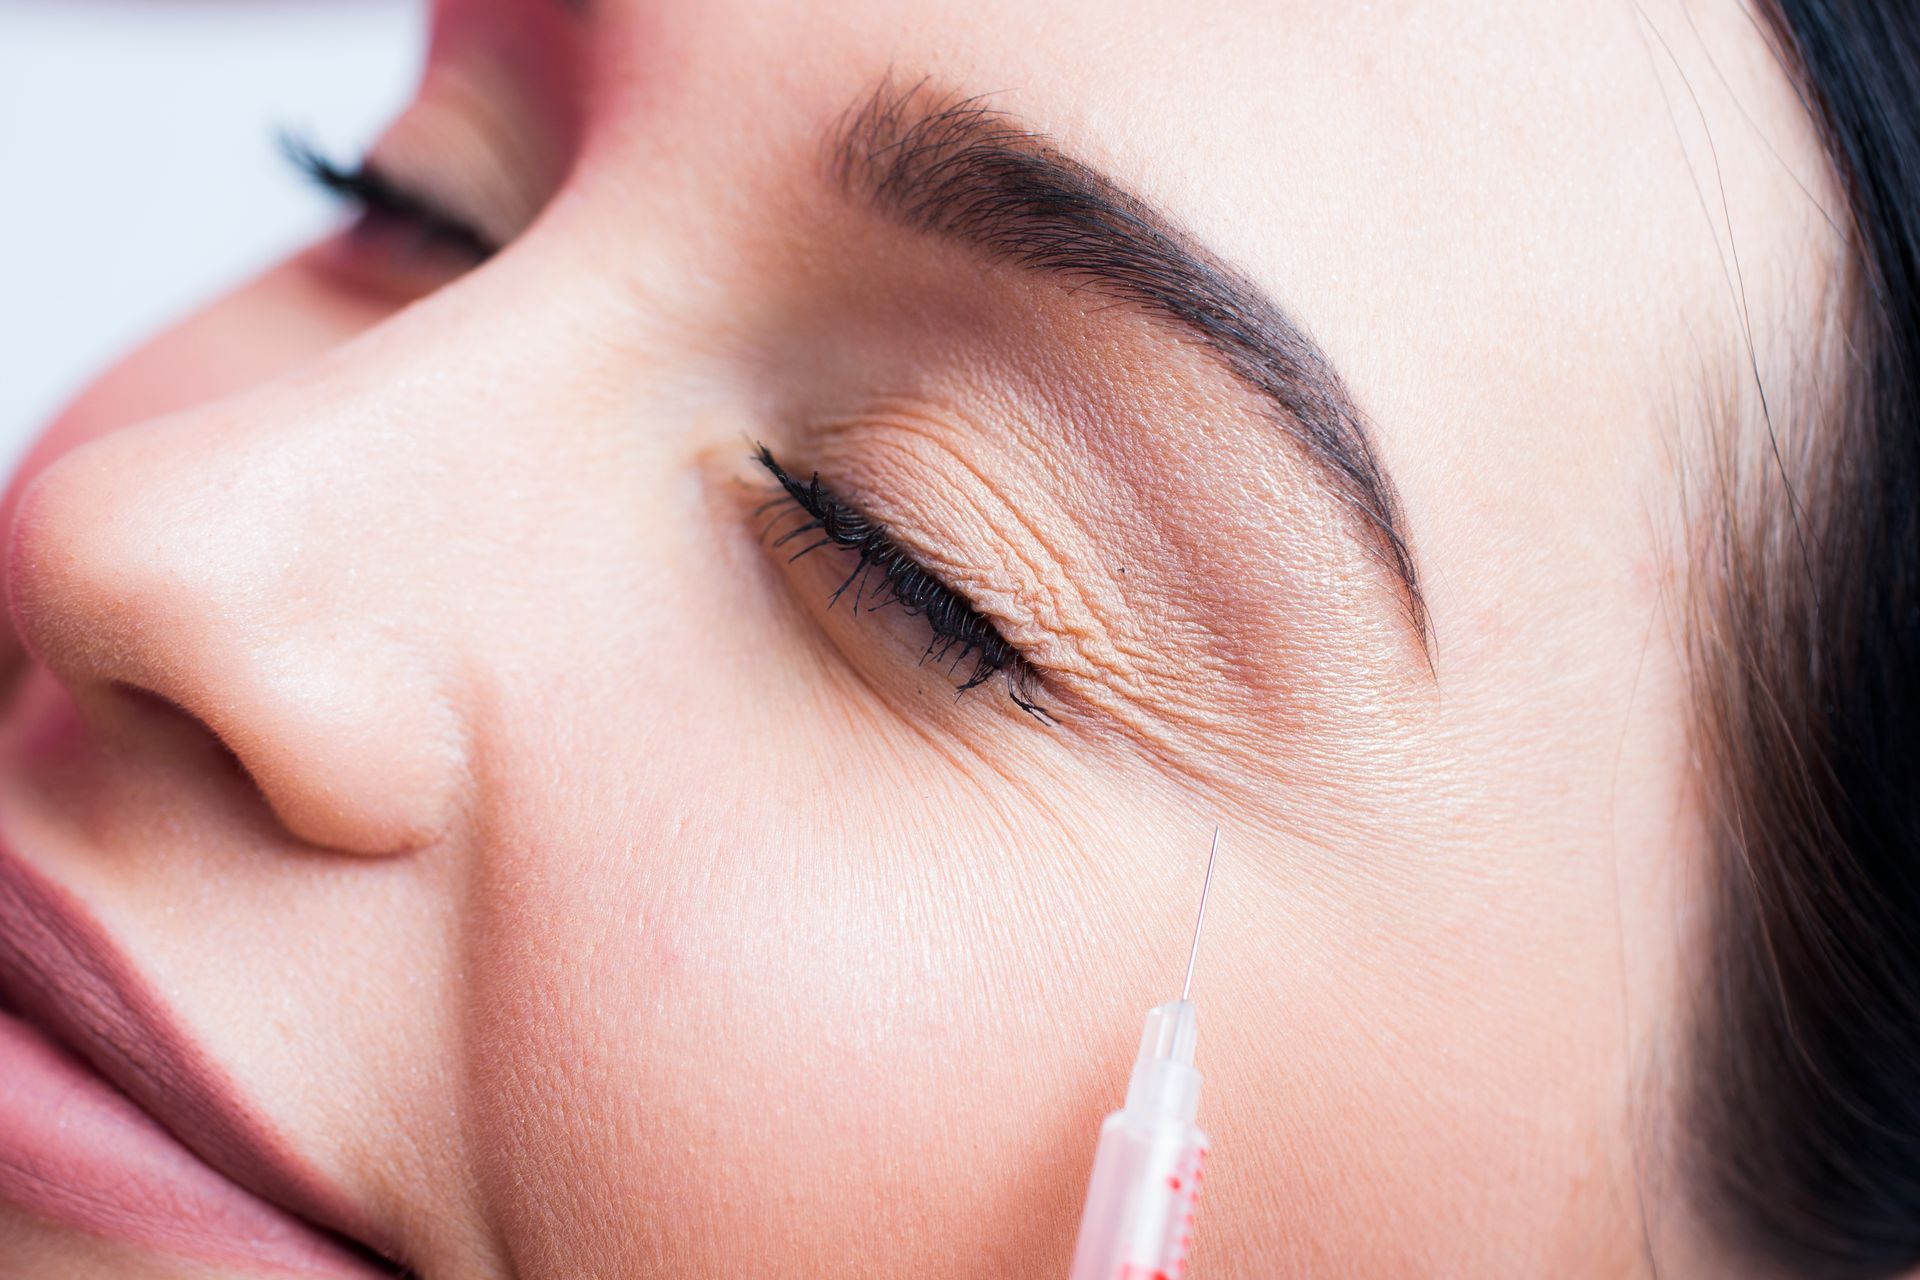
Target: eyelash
(958,628)
(378,196)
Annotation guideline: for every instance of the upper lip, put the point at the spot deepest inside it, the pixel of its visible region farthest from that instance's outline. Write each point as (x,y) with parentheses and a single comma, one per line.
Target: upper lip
(61,970)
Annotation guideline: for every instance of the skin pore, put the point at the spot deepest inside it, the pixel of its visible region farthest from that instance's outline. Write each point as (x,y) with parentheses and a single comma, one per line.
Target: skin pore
(404,675)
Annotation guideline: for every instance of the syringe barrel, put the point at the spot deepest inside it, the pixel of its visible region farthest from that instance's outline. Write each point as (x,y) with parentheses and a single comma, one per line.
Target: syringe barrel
(1138,1219)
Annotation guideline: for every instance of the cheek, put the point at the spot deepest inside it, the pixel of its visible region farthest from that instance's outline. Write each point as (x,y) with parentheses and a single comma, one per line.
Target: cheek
(785,1018)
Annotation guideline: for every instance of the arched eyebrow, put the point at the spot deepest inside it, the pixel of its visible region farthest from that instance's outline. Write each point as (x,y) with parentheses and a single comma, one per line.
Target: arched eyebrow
(952,166)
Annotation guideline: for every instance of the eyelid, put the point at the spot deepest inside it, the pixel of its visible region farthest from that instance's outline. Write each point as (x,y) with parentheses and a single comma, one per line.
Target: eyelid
(369,186)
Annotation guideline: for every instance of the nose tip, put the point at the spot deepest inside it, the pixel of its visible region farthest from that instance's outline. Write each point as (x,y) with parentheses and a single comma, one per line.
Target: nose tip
(213,592)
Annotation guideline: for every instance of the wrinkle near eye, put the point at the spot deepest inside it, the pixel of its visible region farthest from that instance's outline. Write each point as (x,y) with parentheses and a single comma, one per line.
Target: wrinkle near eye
(958,630)
(1132,586)
(1010,545)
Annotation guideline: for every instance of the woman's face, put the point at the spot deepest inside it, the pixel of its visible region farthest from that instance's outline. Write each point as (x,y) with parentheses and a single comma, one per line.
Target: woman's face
(418,698)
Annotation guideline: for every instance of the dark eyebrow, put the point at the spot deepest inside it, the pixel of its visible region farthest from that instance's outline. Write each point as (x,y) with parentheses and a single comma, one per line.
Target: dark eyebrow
(953,166)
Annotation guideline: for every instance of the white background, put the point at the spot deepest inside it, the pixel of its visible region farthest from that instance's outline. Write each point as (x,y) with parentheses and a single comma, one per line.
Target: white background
(138,174)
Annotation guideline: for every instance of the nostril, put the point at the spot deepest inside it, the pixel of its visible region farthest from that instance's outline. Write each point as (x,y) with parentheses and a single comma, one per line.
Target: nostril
(157,706)
(298,767)
(13,665)
(14,660)
(143,714)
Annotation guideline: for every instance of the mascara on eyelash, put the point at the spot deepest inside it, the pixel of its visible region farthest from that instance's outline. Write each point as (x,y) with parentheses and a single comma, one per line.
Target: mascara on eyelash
(369,187)
(958,628)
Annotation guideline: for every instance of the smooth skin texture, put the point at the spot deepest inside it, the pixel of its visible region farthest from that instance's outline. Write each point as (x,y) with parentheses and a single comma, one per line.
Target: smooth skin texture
(404,675)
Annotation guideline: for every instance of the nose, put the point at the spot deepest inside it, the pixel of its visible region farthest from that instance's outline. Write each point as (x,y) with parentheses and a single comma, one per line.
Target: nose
(233,571)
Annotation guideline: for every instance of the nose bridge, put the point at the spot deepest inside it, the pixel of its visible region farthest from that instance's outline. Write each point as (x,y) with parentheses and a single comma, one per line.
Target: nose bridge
(257,563)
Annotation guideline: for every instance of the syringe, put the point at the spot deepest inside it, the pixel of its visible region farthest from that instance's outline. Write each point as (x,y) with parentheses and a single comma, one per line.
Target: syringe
(1138,1219)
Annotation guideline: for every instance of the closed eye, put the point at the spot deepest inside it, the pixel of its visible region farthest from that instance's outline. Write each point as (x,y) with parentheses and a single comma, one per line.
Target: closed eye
(884,573)
(381,198)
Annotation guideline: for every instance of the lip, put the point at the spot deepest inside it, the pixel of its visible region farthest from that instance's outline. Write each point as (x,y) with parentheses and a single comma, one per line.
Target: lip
(114,1123)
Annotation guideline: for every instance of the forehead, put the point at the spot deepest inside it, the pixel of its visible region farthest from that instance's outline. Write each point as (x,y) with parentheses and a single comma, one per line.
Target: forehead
(1451,170)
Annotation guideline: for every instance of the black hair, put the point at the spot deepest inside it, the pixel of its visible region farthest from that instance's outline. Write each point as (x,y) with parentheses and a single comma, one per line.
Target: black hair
(1805,1083)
